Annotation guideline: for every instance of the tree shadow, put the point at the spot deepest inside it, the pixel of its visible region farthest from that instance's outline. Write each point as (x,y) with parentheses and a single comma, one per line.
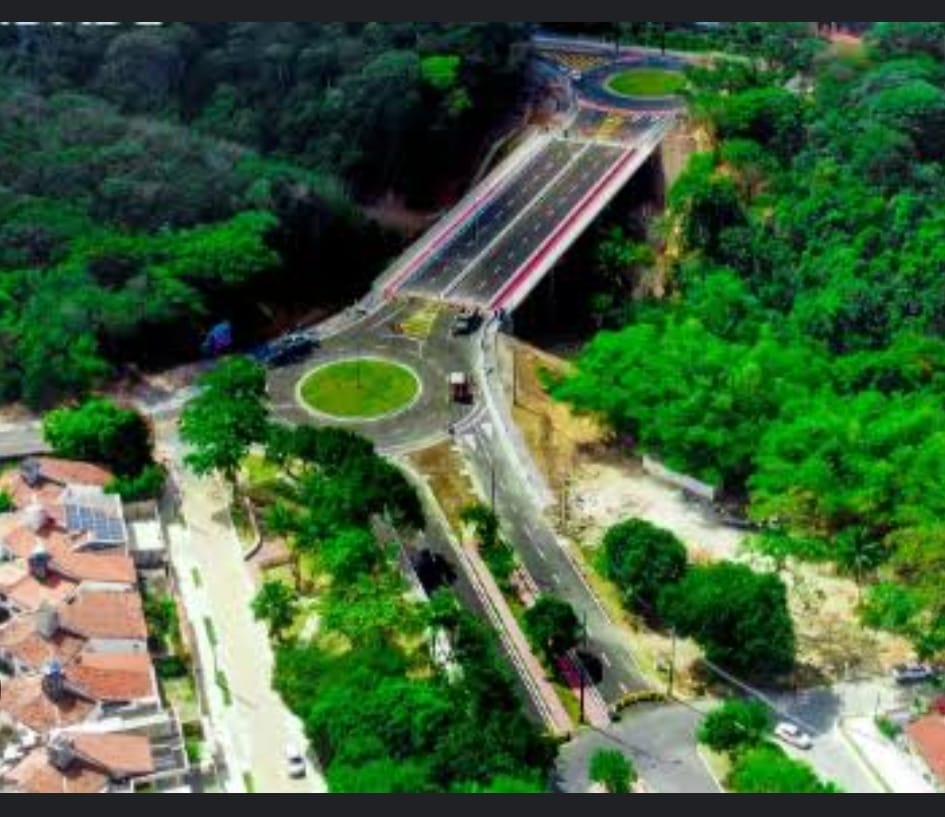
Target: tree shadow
(433,570)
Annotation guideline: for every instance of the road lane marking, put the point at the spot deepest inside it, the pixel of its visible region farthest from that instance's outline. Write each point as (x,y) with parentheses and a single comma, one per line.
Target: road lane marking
(454,285)
(606,660)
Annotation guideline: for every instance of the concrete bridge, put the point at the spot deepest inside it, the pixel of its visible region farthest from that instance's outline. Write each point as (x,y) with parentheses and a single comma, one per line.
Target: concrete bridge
(497,244)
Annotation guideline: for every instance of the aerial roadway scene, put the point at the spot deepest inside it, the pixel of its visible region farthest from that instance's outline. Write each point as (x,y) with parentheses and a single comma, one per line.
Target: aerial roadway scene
(472,408)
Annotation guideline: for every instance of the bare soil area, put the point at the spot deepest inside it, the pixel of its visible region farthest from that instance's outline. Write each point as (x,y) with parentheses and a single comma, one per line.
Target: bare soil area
(442,467)
(599,484)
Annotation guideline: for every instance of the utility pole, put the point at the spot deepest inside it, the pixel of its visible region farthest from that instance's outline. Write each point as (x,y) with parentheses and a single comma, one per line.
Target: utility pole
(672,666)
(492,469)
(580,661)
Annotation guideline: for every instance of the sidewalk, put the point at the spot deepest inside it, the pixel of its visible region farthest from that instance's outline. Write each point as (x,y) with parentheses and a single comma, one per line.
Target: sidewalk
(896,769)
(255,726)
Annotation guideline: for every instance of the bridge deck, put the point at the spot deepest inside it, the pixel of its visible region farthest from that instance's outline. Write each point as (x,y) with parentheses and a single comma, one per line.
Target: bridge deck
(496,250)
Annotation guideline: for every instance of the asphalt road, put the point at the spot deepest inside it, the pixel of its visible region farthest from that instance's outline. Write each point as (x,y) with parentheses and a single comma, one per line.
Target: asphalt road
(483,281)
(486,253)
(18,441)
(526,529)
(432,277)
(659,740)
(432,359)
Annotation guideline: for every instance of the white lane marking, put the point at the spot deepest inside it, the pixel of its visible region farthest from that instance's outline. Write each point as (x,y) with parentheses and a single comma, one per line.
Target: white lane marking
(555,578)
(606,660)
(535,202)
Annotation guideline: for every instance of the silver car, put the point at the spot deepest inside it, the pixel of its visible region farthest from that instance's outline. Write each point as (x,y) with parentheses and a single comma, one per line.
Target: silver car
(295,762)
(793,736)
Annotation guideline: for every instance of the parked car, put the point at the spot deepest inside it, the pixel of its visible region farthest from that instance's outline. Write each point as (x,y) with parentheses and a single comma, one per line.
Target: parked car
(913,673)
(465,324)
(295,762)
(288,349)
(793,736)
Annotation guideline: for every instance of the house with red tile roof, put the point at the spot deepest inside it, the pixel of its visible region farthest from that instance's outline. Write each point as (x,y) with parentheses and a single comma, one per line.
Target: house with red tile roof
(112,678)
(83,763)
(28,701)
(29,642)
(110,622)
(927,735)
(76,639)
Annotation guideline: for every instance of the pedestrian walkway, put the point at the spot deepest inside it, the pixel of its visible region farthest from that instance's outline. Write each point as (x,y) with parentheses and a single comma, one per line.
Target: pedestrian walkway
(898,771)
(253,723)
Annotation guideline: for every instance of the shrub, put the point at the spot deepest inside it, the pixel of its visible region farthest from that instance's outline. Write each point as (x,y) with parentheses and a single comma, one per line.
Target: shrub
(734,725)
(739,617)
(641,559)
(766,769)
(170,668)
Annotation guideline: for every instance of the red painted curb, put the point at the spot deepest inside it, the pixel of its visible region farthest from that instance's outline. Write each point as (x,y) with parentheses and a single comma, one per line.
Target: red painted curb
(524,271)
(460,219)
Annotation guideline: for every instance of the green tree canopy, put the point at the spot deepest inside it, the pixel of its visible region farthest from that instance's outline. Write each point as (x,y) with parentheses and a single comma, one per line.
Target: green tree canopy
(641,559)
(226,418)
(100,431)
(739,617)
(275,603)
(766,769)
(734,725)
(552,626)
(613,770)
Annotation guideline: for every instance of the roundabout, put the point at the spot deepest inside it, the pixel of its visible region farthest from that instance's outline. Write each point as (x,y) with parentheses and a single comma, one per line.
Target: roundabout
(360,389)
(392,388)
(645,82)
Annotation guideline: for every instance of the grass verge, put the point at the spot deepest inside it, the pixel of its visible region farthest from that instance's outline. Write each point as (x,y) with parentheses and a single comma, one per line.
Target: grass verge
(362,389)
(646,82)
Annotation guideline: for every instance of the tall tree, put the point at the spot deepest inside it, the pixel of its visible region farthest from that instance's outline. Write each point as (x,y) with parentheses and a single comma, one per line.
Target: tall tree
(227,417)
(275,603)
(552,627)
(613,770)
(100,431)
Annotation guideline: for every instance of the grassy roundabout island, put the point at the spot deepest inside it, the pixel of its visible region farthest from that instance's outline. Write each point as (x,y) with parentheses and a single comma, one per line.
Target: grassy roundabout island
(646,82)
(360,389)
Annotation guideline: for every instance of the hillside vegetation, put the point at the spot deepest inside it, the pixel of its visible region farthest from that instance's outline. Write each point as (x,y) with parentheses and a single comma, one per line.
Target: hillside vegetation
(154,181)
(799,364)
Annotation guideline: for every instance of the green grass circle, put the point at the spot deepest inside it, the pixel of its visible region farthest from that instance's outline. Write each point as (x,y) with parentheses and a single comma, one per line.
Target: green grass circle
(650,82)
(360,389)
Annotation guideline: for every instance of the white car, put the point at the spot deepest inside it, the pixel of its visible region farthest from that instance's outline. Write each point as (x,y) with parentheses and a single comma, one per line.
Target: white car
(295,762)
(793,736)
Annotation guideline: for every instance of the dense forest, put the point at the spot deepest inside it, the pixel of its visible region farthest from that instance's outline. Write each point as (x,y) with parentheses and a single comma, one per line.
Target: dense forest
(154,180)
(800,363)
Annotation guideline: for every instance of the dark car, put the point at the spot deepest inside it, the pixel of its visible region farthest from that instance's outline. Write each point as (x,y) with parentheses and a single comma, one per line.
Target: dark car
(466,323)
(913,673)
(287,349)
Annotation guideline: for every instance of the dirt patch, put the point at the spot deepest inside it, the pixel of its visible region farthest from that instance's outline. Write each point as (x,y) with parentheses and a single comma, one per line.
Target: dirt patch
(558,439)
(442,467)
(15,413)
(597,485)
(391,213)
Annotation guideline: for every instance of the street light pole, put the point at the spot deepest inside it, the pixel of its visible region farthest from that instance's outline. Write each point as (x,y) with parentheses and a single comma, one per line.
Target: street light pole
(580,661)
(492,468)
(672,666)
